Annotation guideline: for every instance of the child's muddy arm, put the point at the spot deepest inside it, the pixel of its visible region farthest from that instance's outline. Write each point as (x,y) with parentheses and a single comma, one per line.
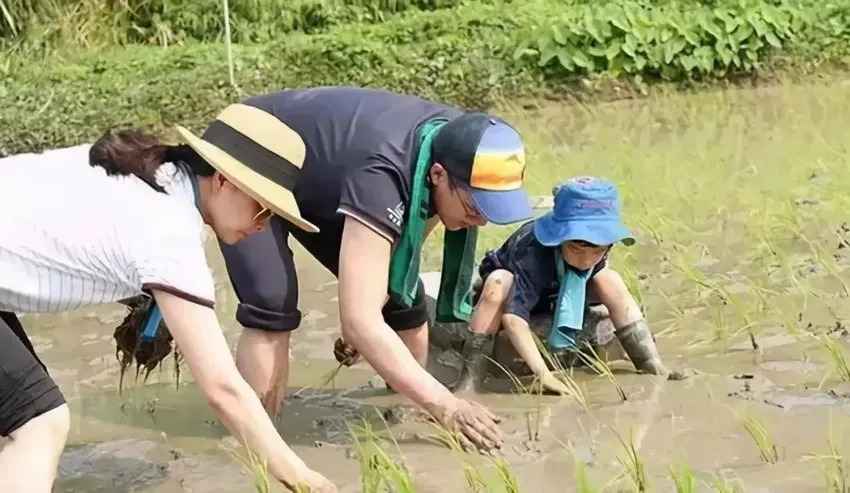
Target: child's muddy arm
(614,294)
(523,341)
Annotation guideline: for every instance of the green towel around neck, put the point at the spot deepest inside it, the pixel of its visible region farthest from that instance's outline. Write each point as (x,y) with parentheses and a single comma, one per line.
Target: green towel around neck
(454,301)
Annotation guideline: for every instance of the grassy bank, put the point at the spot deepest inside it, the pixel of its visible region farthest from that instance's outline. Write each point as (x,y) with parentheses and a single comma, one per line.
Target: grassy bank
(470,54)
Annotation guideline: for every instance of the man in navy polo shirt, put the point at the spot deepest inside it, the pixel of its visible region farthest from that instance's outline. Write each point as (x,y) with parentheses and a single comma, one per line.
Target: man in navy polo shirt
(549,268)
(381,170)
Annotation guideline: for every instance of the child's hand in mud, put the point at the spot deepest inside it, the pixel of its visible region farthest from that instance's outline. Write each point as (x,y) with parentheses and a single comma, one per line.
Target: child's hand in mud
(473,424)
(345,353)
(553,384)
(310,481)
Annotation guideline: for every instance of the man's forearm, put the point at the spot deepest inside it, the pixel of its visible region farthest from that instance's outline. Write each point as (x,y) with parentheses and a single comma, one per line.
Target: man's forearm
(388,355)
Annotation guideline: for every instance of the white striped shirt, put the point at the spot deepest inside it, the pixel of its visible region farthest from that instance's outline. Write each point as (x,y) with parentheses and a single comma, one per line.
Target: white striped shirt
(72,236)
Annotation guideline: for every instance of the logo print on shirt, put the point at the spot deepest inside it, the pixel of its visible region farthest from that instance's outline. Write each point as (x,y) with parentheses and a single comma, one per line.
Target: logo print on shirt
(396,214)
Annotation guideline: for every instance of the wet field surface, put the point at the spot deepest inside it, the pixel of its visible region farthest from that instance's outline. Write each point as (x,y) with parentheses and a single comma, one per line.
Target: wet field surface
(155,438)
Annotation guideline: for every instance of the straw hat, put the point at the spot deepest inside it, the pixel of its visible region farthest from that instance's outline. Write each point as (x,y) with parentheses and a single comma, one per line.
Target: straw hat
(259,154)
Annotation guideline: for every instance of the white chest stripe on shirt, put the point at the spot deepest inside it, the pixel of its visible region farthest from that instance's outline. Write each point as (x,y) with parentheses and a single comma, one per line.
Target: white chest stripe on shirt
(72,236)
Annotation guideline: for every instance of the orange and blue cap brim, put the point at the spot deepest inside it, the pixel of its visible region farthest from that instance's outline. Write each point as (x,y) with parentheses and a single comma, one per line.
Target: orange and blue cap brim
(502,206)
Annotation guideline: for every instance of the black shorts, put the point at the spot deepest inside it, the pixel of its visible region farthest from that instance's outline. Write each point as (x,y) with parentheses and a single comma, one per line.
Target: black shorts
(262,270)
(26,391)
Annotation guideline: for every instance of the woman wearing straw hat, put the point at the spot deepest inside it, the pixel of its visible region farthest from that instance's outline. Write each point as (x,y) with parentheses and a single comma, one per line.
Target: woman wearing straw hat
(124,218)
(382,170)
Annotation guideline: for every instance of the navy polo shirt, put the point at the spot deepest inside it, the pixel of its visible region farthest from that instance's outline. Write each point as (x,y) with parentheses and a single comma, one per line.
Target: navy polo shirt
(360,153)
(535,287)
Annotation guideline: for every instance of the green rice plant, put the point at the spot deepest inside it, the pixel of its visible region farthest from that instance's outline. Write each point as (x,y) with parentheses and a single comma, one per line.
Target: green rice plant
(683,479)
(322,381)
(582,481)
(722,484)
(761,437)
(475,480)
(602,368)
(505,475)
(532,417)
(825,259)
(257,469)
(838,356)
(633,464)
(377,468)
(834,467)
(566,376)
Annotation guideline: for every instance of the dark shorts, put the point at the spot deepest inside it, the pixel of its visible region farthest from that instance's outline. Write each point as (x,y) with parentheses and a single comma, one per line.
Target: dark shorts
(26,391)
(262,270)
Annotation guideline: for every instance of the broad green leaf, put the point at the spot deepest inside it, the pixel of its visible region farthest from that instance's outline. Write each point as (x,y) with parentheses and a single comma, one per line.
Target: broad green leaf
(773,40)
(688,62)
(613,50)
(558,35)
(582,60)
(565,59)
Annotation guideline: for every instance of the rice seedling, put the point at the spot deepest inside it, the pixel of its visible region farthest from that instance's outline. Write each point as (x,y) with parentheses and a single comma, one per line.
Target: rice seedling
(505,475)
(633,464)
(835,468)
(377,468)
(761,437)
(532,417)
(580,476)
(566,376)
(683,479)
(475,480)
(825,259)
(322,381)
(838,357)
(722,484)
(600,367)
(257,469)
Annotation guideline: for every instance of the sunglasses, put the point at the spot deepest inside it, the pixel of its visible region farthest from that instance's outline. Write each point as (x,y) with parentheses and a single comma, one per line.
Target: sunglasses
(470,209)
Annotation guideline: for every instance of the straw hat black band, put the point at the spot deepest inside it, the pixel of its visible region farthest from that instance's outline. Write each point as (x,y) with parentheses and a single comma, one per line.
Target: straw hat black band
(265,162)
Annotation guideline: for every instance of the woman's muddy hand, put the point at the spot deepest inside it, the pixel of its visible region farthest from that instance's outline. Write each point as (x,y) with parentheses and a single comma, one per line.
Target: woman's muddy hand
(345,353)
(475,426)
(313,482)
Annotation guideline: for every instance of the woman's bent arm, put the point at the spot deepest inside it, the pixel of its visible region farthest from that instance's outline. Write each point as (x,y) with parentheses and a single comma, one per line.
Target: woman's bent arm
(200,339)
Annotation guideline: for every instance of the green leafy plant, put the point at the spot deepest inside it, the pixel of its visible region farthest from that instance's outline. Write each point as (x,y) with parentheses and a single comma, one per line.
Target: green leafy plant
(673,41)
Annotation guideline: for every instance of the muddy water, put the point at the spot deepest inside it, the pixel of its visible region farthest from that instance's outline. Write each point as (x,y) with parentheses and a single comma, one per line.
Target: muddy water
(154,438)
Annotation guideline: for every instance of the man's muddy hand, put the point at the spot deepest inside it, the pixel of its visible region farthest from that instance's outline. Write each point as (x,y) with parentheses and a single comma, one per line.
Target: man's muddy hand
(475,426)
(345,353)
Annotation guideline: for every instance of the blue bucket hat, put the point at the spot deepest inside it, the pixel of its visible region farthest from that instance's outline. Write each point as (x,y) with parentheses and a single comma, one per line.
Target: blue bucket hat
(587,209)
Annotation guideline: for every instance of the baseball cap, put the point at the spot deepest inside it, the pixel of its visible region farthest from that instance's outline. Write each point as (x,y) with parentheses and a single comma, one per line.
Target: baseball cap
(586,208)
(488,155)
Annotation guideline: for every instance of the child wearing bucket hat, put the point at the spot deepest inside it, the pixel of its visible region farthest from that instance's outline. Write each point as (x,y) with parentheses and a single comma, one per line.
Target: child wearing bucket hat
(552,266)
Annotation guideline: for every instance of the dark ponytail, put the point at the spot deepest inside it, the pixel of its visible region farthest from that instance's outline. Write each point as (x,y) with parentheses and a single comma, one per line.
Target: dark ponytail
(133,152)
